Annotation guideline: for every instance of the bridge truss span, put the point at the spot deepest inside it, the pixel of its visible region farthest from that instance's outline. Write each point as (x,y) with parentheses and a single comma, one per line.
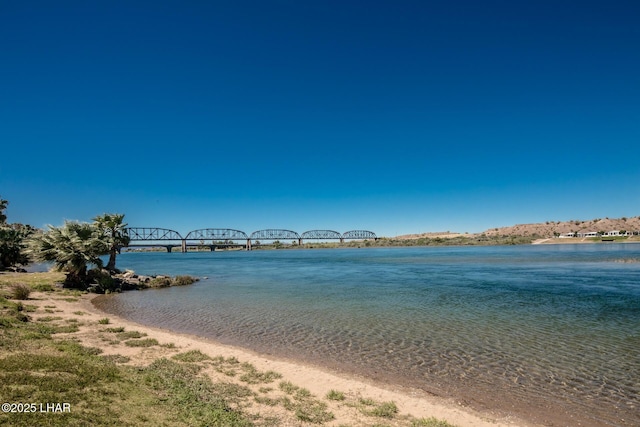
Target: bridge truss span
(228,237)
(359,235)
(217,234)
(321,234)
(274,234)
(152,234)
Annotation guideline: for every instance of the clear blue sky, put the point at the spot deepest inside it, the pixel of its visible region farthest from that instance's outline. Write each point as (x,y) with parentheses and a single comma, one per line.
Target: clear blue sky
(392,116)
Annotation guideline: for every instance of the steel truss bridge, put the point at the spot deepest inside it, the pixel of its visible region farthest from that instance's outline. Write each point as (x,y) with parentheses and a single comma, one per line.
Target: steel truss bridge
(228,237)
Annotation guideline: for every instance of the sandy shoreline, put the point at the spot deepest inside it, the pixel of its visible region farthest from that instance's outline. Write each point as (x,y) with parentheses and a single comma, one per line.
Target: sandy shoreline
(319,382)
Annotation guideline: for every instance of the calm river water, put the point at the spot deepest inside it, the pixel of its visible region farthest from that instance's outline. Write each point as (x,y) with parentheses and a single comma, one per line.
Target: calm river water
(550,333)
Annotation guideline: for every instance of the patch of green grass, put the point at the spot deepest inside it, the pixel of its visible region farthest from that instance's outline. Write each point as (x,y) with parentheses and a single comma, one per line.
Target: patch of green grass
(191,356)
(104,321)
(7,321)
(103,393)
(130,335)
(32,279)
(29,308)
(366,402)
(195,396)
(79,313)
(83,371)
(49,318)
(148,342)
(46,328)
(228,366)
(304,405)
(231,360)
(68,375)
(265,400)
(12,312)
(288,387)
(234,393)
(253,376)
(115,330)
(65,329)
(431,422)
(8,306)
(22,317)
(335,395)
(385,410)
(43,287)
(313,411)
(71,346)
(117,358)
(372,408)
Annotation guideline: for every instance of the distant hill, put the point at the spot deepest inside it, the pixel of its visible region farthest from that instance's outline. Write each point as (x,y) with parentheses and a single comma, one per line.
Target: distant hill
(551,228)
(539,230)
(431,235)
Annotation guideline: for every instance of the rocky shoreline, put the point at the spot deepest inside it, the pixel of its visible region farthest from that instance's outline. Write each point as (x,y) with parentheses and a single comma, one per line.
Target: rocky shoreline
(105,282)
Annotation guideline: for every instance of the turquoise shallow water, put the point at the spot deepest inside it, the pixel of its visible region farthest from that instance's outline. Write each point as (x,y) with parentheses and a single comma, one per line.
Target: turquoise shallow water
(530,330)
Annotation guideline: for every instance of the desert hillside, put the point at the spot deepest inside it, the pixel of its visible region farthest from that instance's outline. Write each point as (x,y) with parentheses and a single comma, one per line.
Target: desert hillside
(431,235)
(542,229)
(549,228)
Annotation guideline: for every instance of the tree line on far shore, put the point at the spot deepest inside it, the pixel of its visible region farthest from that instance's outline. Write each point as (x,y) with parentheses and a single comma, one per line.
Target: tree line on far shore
(72,247)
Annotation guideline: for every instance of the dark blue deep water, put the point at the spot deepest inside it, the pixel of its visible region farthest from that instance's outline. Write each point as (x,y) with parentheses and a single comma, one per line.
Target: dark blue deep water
(520,329)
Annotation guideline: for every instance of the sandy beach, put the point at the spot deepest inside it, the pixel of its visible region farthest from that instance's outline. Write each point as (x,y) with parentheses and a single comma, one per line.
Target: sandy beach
(412,404)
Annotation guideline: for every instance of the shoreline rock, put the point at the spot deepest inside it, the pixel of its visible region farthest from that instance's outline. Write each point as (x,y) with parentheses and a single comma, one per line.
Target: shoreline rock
(106,282)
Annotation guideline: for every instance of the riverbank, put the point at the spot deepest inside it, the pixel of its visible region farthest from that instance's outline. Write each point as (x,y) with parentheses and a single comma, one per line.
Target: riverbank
(583,240)
(260,389)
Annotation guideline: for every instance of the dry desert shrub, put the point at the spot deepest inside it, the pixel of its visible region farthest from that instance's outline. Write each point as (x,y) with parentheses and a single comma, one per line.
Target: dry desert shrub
(20,291)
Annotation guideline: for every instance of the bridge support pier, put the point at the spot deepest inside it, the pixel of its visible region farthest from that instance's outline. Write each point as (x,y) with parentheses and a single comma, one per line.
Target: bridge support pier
(248,244)
(169,248)
(183,246)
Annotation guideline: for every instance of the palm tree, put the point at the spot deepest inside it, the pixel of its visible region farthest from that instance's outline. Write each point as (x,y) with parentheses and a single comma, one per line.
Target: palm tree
(114,233)
(3,206)
(71,247)
(13,244)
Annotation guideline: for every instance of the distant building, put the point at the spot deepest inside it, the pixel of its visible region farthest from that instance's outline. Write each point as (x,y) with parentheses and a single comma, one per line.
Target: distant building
(567,235)
(588,234)
(610,233)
